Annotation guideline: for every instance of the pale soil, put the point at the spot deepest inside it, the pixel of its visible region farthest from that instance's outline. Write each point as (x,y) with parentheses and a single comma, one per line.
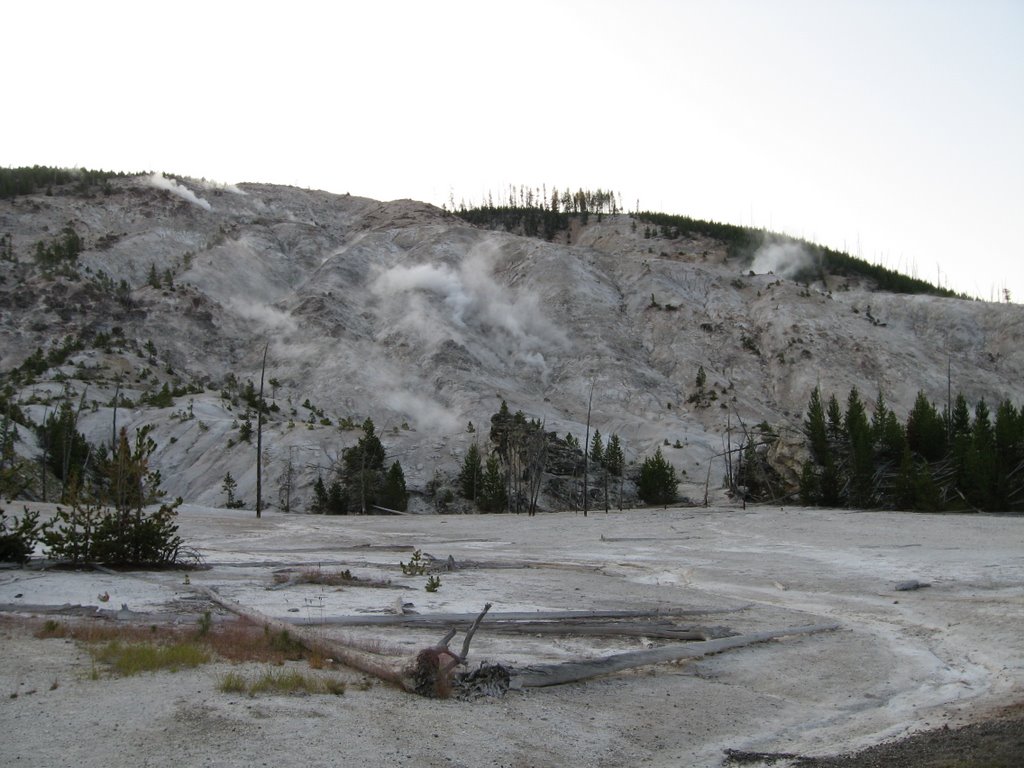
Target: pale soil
(901,661)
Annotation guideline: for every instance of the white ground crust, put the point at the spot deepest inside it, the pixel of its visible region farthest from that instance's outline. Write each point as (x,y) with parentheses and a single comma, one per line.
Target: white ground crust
(901,661)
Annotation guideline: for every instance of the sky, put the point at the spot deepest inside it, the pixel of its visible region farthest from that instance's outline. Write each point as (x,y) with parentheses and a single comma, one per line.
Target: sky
(892,129)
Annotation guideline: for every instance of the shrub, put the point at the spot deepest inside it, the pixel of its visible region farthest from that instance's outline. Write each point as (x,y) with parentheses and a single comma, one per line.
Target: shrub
(18,537)
(111,525)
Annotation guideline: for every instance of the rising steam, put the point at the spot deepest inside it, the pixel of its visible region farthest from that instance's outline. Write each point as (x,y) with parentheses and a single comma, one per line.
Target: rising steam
(475,310)
(786,260)
(160,181)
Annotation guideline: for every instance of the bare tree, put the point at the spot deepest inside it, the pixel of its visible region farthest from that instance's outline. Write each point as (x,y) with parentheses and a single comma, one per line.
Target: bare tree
(287,487)
(586,453)
(259,437)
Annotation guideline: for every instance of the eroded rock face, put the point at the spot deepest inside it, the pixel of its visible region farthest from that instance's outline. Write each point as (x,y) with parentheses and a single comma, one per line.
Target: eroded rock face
(405,314)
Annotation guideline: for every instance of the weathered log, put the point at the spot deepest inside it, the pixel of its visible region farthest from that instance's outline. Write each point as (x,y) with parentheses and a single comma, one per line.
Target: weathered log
(428,672)
(575,671)
(383,663)
(431,671)
(446,619)
(664,631)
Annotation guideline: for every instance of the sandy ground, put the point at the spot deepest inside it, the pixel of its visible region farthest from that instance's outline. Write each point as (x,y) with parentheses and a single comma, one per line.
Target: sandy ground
(901,661)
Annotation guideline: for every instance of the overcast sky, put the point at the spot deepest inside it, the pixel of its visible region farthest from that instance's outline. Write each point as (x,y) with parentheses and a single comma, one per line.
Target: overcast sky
(893,129)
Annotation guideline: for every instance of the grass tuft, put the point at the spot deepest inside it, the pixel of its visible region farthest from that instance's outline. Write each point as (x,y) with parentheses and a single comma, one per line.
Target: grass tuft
(52,628)
(275,681)
(135,658)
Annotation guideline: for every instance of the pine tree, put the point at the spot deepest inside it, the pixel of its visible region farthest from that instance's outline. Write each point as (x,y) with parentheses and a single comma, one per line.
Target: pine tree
(657,483)
(319,504)
(363,469)
(613,457)
(926,434)
(471,476)
(815,429)
(337,501)
(615,463)
(858,432)
(597,448)
(492,496)
(834,419)
(228,487)
(393,493)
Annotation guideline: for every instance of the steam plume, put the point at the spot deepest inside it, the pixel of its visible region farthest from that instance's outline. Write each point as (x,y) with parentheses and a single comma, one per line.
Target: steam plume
(160,181)
(784,259)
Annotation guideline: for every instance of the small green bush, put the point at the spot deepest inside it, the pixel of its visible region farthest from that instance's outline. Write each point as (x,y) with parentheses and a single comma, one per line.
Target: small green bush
(18,537)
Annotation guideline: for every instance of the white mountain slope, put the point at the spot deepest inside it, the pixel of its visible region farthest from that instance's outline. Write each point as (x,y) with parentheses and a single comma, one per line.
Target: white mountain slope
(407,314)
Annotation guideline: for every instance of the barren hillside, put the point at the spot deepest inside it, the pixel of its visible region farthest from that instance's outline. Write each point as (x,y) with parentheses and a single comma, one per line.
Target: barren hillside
(406,314)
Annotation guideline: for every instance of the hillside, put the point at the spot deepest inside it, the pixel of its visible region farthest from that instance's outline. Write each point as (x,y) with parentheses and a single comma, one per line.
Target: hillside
(411,316)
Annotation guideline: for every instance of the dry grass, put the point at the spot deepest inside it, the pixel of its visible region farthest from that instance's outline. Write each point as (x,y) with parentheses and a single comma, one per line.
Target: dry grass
(283,681)
(136,658)
(130,649)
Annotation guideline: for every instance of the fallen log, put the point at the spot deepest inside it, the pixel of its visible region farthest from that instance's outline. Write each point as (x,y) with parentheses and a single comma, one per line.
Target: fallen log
(429,672)
(446,619)
(574,671)
(663,631)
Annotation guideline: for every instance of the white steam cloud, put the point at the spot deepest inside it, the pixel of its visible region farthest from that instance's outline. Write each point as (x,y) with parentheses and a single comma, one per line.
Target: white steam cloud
(783,259)
(264,314)
(160,181)
(426,413)
(221,186)
(492,320)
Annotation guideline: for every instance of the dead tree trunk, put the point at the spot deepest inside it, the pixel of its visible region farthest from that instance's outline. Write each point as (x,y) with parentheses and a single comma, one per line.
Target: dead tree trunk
(429,672)
(259,437)
(575,671)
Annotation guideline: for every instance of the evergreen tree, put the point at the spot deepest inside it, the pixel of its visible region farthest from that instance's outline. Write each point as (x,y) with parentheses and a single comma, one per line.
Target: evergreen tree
(597,448)
(393,493)
(961,441)
(657,483)
(834,419)
(1009,448)
(363,469)
(228,487)
(471,476)
(318,505)
(926,434)
(337,501)
(492,496)
(112,525)
(615,462)
(982,460)
(613,457)
(64,449)
(858,432)
(815,429)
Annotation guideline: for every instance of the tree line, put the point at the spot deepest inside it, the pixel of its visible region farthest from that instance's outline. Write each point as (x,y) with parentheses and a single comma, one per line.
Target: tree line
(743,242)
(954,460)
(536,213)
(28,180)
